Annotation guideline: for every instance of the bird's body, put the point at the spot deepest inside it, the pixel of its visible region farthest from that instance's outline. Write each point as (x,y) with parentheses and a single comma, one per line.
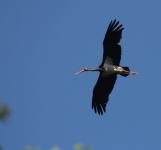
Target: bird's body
(109,68)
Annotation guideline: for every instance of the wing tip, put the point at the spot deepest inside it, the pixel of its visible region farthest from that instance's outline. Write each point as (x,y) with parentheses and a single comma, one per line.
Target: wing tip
(115,25)
(113,33)
(99,108)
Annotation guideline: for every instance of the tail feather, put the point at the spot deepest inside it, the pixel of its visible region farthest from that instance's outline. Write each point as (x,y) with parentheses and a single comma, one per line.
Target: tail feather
(126,68)
(125,74)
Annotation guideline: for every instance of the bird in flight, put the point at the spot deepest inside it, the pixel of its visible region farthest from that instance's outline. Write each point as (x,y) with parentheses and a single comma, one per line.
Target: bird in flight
(109,68)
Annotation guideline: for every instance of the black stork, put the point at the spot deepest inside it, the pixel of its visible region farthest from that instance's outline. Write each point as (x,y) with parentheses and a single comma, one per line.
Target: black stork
(109,67)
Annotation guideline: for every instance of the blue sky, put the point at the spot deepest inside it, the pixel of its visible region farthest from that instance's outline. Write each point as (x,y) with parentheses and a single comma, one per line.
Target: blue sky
(44,42)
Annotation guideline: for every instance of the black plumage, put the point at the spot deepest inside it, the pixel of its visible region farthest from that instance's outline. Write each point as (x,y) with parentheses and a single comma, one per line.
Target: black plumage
(111,56)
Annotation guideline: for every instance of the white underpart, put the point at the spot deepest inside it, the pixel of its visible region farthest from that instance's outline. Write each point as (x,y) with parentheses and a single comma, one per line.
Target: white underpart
(108,67)
(118,69)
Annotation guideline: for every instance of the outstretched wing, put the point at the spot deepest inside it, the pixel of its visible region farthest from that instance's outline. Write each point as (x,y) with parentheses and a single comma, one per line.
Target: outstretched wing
(112,52)
(101,92)
(111,46)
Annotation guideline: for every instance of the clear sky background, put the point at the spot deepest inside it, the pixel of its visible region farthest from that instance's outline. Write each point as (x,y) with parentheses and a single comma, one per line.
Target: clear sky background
(42,44)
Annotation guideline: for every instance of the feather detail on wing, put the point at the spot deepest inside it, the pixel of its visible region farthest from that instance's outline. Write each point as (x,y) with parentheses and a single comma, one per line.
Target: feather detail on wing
(111,41)
(101,92)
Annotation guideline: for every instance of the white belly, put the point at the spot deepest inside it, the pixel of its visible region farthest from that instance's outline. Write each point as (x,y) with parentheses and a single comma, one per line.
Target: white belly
(109,69)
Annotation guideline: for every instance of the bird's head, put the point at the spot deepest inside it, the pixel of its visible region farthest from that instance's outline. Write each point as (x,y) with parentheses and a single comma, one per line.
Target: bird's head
(82,70)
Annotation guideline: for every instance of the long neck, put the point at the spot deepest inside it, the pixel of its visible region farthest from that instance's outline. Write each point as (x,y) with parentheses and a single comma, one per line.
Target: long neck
(96,69)
(89,69)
